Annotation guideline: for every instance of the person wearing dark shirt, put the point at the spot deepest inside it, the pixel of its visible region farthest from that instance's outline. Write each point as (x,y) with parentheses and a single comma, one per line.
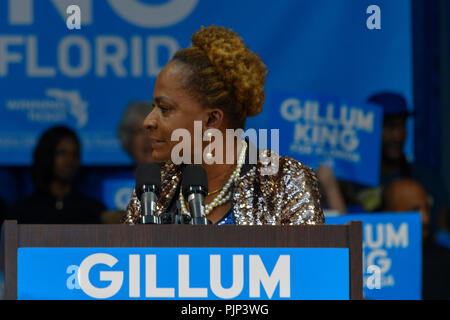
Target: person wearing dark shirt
(435,270)
(3,211)
(403,195)
(393,165)
(55,199)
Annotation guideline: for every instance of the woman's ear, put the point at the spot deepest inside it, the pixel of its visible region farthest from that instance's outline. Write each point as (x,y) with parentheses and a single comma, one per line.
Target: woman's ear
(215,118)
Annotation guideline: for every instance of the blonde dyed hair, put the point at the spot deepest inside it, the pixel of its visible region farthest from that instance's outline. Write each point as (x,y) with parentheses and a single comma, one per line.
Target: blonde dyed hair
(225,73)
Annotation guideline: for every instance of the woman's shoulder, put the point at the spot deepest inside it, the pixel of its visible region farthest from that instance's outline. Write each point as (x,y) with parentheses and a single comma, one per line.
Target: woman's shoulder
(290,175)
(279,190)
(275,166)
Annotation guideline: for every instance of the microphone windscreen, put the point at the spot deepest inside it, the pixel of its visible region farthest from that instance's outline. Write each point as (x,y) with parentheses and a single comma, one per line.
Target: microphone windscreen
(148,174)
(194,175)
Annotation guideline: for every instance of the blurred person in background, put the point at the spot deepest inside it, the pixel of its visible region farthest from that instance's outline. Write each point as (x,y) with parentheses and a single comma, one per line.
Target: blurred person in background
(405,195)
(132,134)
(393,165)
(402,195)
(55,199)
(331,194)
(3,211)
(136,143)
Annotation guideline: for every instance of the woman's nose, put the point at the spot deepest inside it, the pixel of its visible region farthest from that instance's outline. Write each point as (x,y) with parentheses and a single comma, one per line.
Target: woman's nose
(150,122)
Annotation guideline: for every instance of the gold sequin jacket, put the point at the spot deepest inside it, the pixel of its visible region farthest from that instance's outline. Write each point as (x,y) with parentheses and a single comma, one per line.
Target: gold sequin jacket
(289,196)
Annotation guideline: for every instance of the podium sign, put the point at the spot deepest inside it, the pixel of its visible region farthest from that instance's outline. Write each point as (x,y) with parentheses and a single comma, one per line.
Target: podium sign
(183,273)
(181,261)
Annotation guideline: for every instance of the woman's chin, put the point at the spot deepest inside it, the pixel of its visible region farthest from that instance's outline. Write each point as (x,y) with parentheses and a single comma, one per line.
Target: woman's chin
(160,156)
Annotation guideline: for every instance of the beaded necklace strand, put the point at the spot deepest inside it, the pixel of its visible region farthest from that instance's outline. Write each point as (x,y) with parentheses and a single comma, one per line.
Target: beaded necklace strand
(224,194)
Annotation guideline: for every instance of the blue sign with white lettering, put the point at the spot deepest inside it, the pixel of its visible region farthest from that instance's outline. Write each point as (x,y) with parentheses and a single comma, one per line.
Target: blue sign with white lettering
(117,192)
(392,248)
(183,273)
(52,73)
(344,136)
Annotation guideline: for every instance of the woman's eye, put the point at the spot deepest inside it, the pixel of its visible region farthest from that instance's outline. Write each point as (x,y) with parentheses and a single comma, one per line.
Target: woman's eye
(163,109)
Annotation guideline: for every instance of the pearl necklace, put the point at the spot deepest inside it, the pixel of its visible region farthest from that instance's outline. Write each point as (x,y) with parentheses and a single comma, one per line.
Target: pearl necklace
(224,194)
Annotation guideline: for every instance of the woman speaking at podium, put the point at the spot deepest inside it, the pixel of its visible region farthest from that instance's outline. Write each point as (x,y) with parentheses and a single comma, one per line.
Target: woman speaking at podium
(215,85)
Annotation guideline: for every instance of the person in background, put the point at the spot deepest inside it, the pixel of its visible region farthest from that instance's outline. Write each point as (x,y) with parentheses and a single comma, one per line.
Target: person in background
(333,199)
(135,142)
(403,195)
(393,165)
(55,199)
(132,134)
(3,211)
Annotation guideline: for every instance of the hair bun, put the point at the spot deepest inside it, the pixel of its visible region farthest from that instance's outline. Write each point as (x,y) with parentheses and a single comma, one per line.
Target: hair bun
(242,71)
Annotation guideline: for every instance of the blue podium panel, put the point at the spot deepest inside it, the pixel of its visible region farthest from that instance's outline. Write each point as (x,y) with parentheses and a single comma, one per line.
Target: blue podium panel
(183,273)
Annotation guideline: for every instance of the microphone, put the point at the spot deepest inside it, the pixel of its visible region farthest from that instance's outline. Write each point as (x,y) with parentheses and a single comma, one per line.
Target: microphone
(174,216)
(148,185)
(194,186)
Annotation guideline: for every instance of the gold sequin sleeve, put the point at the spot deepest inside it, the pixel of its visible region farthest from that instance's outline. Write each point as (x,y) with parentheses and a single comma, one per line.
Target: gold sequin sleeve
(287,194)
(132,214)
(299,195)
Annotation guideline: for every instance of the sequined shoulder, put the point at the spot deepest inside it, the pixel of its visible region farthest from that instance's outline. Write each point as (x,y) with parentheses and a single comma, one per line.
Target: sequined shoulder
(300,201)
(283,194)
(133,211)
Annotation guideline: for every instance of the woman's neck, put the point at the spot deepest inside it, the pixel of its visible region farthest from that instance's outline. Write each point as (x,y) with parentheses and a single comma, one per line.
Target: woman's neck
(219,173)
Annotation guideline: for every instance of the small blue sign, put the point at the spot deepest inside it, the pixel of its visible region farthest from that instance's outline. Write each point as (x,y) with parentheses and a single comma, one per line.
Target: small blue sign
(183,273)
(392,248)
(117,192)
(316,130)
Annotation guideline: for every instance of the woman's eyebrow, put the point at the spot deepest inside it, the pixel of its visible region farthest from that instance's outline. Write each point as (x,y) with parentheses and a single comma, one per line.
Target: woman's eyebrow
(163,98)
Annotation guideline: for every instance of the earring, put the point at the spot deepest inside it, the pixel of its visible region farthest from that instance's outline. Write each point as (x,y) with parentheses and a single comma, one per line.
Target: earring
(209,153)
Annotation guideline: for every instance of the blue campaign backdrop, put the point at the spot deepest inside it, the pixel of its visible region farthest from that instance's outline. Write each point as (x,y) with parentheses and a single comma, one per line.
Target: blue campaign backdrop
(111,271)
(392,242)
(84,78)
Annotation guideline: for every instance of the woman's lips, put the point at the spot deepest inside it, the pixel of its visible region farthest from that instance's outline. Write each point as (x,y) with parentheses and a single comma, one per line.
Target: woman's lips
(157,143)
